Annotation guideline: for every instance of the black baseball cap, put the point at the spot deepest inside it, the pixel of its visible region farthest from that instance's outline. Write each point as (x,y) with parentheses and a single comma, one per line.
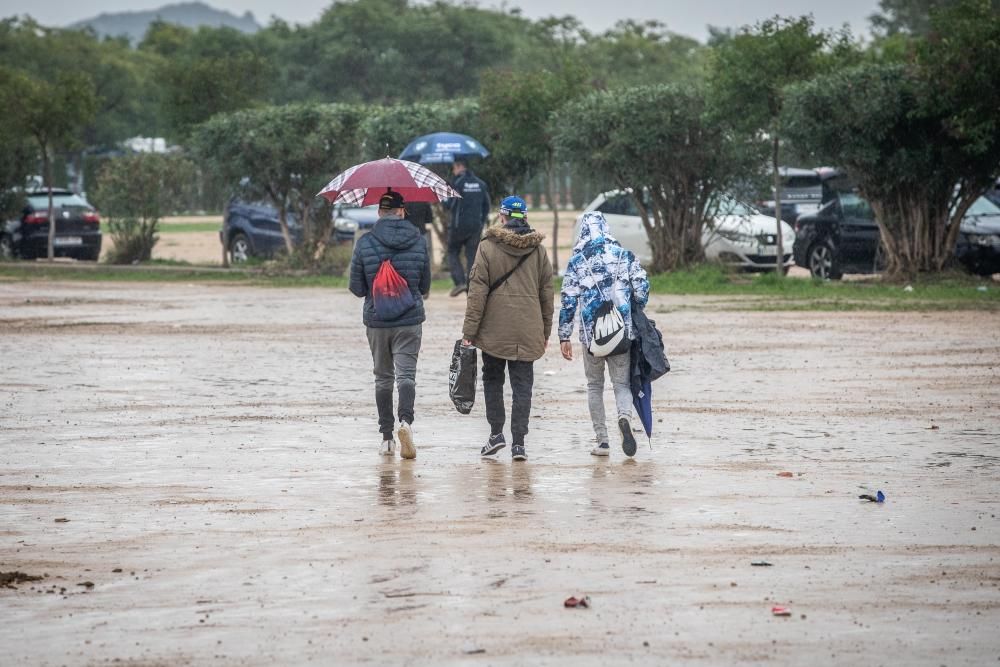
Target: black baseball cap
(391,200)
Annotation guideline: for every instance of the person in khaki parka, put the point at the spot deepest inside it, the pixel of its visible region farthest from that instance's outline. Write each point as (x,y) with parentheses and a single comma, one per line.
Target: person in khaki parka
(508,316)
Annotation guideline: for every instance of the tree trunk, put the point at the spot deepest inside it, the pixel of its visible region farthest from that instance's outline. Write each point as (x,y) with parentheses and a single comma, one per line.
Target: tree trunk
(47,167)
(779,262)
(554,205)
(283,223)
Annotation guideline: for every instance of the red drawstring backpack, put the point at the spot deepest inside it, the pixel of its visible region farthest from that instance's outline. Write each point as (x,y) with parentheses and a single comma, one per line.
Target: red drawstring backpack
(391,294)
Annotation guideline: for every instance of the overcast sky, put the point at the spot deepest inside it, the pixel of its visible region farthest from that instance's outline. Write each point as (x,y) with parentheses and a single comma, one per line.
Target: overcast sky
(685,17)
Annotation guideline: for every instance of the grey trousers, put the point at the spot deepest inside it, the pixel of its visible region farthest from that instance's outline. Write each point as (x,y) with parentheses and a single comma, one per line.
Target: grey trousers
(394,351)
(618,371)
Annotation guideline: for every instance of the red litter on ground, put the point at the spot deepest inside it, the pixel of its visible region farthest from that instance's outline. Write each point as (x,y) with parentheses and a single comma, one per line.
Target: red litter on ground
(785,474)
(781,611)
(582,601)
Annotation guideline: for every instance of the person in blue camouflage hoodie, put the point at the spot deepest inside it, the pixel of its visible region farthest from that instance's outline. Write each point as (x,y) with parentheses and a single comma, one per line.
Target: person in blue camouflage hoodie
(601,269)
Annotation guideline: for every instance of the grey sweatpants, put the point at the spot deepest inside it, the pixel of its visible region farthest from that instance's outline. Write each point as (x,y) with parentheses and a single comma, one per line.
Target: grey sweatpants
(394,351)
(618,370)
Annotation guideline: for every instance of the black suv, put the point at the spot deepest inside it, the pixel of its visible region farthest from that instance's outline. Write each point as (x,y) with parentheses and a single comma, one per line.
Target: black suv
(78,227)
(843,237)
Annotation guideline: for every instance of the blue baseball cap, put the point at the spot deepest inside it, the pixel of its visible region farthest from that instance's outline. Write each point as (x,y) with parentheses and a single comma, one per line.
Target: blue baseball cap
(514,207)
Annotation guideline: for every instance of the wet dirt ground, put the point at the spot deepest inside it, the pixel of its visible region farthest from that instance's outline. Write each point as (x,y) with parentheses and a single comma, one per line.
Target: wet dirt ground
(204,457)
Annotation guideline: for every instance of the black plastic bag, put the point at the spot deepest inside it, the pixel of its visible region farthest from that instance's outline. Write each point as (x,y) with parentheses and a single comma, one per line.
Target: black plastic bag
(462,379)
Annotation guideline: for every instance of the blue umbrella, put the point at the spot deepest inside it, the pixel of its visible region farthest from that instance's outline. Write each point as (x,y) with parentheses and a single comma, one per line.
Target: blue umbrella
(643,402)
(442,148)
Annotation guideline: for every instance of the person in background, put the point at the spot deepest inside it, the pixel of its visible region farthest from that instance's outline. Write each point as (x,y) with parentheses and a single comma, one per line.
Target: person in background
(508,316)
(420,214)
(468,217)
(394,342)
(601,269)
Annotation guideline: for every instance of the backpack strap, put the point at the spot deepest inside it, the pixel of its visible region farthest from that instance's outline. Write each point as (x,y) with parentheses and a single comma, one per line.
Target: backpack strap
(502,279)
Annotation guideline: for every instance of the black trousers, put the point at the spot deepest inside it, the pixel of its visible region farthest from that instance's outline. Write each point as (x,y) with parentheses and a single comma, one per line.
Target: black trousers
(459,276)
(522,378)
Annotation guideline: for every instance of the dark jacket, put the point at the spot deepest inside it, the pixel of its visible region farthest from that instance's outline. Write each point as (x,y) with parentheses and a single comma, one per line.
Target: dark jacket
(470,212)
(649,357)
(420,214)
(398,240)
(515,321)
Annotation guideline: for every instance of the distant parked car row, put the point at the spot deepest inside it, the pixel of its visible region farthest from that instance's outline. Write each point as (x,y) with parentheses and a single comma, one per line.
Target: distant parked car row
(842,236)
(251,229)
(77,228)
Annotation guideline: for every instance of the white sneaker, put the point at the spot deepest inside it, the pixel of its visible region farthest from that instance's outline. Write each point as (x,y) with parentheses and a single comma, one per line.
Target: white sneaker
(601,450)
(388,448)
(406,447)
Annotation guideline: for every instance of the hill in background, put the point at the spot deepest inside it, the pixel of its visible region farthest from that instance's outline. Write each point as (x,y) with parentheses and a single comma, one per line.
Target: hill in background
(188,14)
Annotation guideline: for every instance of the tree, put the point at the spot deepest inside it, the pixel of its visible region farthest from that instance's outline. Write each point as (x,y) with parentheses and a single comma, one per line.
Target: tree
(659,143)
(53,115)
(285,155)
(911,16)
(204,72)
(748,76)
(134,192)
(921,140)
(517,110)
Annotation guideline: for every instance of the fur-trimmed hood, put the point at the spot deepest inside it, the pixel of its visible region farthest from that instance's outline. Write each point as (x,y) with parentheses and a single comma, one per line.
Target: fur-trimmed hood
(515,240)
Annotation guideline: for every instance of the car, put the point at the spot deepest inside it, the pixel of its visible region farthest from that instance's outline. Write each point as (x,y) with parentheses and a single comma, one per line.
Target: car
(78,227)
(843,235)
(801,193)
(978,247)
(740,236)
(252,230)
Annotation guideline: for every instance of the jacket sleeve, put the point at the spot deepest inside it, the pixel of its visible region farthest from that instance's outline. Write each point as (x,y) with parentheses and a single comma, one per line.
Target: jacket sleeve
(425,273)
(639,282)
(545,293)
(570,297)
(358,284)
(479,287)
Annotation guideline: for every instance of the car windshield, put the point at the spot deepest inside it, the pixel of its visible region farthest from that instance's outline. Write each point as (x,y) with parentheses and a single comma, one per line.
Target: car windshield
(41,202)
(983,206)
(732,206)
(619,203)
(853,206)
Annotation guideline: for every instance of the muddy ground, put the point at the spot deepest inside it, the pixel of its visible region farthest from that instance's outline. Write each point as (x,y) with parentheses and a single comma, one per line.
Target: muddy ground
(205,458)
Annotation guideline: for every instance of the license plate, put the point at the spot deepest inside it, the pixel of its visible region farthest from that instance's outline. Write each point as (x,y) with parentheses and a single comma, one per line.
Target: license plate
(767,250)
(67,240)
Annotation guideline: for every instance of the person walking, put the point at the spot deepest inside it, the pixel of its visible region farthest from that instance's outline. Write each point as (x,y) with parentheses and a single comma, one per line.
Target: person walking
(508,316)
(391,270)
(468,217)
(603,281)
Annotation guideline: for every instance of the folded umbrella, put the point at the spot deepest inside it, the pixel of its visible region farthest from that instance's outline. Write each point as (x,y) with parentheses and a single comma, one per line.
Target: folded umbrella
(364,184)
(648,363)
(443,148)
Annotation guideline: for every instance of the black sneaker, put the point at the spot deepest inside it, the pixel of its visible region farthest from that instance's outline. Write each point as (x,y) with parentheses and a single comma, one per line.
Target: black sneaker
(458,289)
(517,453)
(493,445)
(628,440)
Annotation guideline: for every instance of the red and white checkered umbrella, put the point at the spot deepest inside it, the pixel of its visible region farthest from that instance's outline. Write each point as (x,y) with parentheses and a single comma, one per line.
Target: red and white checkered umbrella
(364,184)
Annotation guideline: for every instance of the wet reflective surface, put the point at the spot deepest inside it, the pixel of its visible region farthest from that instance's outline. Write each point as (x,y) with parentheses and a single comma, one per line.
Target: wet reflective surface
(217,445)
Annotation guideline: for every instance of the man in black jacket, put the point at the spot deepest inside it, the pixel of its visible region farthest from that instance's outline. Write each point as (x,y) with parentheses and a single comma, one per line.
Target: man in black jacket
(394,343)
(468,216)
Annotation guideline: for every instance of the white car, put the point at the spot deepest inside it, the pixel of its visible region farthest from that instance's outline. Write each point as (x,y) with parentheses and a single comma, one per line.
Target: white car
(740,237)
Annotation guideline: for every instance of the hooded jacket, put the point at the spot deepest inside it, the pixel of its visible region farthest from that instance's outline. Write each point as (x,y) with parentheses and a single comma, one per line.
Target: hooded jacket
(599,269)
(470,211)
(515,321)
(398,240)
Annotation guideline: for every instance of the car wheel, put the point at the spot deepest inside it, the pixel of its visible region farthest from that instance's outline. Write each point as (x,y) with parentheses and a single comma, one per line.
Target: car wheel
(239,249)
(823,262)
(6,249)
